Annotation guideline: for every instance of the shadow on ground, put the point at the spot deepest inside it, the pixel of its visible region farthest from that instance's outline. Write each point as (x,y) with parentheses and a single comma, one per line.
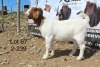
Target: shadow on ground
(89,52)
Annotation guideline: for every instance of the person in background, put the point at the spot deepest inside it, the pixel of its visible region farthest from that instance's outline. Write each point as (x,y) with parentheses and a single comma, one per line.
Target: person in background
(64,13)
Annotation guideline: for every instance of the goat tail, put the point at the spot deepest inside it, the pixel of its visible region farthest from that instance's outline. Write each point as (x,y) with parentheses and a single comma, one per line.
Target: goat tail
(86,17)
(87,20)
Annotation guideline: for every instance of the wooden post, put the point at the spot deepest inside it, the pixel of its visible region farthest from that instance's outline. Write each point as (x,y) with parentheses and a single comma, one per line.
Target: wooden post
(18,16)
(2,17)
(11,13)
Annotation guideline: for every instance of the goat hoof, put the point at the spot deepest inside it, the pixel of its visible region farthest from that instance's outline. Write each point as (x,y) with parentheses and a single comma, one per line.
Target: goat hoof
(79,58)
(44,57)
(51,54)
(71,54)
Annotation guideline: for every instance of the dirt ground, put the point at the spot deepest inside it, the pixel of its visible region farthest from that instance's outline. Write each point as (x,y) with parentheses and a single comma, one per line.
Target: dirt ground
(25,50)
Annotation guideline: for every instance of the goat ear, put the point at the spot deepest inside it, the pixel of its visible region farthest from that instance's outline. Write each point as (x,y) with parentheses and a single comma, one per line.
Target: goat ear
(36,14)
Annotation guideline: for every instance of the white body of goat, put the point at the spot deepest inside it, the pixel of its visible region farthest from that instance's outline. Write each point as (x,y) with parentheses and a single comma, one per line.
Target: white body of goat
(66,30)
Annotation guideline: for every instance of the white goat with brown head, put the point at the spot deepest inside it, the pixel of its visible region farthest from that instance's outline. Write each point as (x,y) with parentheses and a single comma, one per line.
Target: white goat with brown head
(66,30)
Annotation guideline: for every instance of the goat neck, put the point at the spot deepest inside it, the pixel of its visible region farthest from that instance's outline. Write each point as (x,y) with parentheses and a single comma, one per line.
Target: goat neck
(39,20)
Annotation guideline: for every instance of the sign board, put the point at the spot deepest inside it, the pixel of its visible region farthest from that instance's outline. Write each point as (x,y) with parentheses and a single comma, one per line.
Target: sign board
(93,32)
(33,29)
(93,37)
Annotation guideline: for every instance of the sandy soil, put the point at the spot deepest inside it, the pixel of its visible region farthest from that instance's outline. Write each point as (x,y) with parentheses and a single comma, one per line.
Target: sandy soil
(25,50)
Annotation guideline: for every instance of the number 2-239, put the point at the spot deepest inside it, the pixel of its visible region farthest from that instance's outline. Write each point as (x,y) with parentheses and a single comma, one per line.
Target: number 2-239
(18,48)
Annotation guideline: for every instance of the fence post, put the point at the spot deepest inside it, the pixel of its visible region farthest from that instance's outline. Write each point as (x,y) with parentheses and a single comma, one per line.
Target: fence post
(11,13)
(18,16)
(2,17)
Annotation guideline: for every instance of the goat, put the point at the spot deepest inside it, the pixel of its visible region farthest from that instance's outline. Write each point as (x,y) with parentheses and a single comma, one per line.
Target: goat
(65,30)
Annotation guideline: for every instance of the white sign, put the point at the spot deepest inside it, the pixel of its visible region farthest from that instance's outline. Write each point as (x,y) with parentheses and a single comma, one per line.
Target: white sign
(90,7)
